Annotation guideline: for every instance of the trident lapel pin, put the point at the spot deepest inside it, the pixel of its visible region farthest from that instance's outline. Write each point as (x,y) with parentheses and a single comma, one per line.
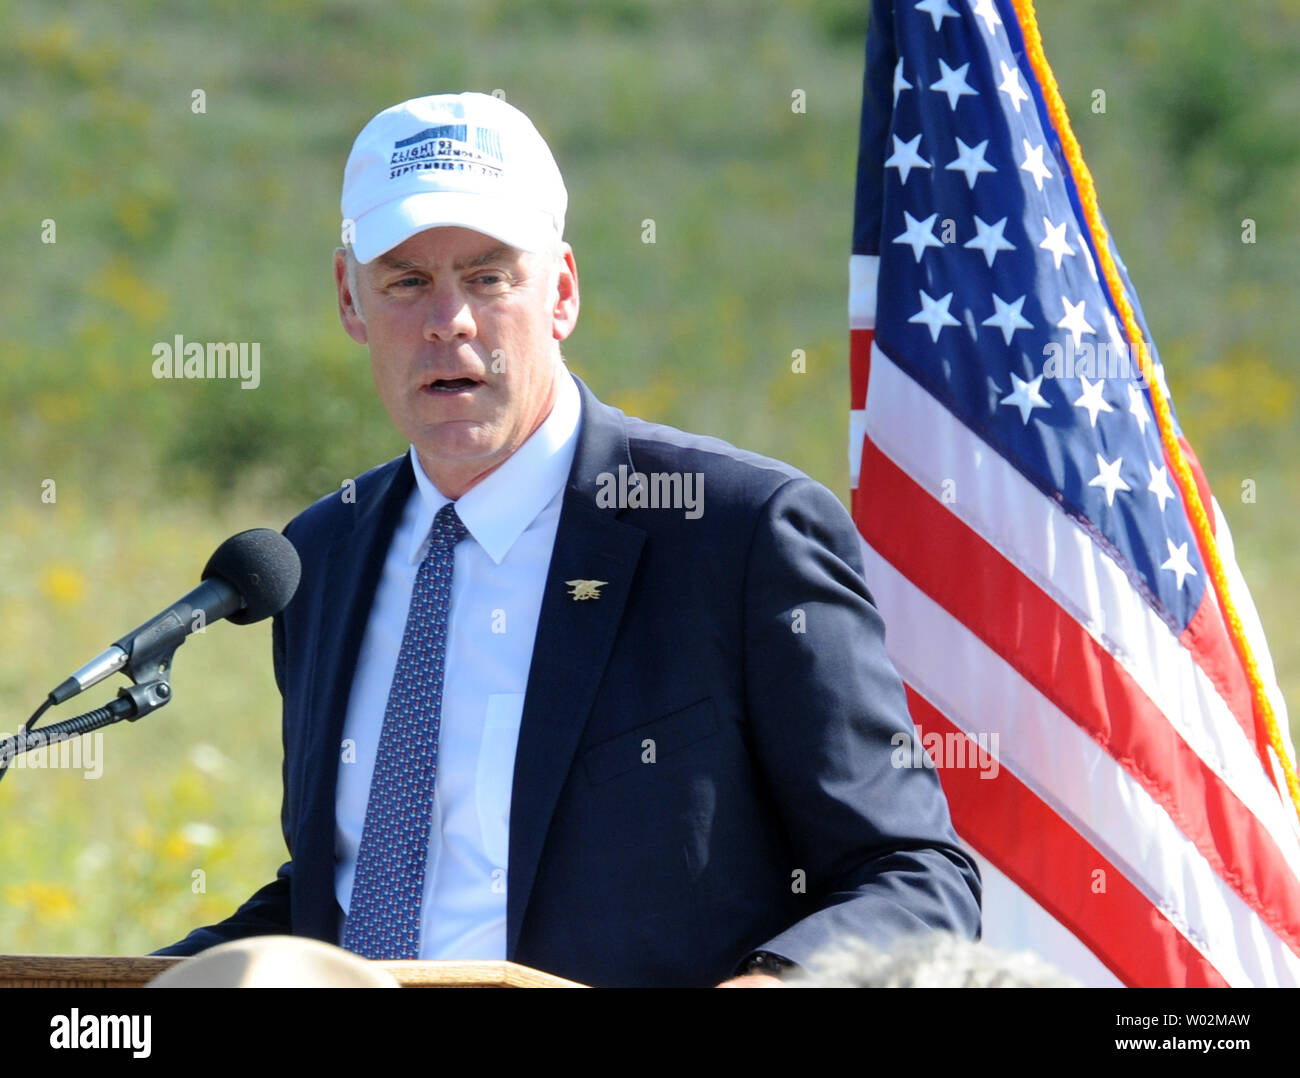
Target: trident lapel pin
(585,589)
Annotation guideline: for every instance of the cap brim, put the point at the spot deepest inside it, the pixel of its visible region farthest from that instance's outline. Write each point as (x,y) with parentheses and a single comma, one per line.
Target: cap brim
(391,224)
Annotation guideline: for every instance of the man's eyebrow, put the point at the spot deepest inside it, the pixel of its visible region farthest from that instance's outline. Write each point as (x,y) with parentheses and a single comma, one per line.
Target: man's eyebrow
(398,263)
(501,250)
(493,254)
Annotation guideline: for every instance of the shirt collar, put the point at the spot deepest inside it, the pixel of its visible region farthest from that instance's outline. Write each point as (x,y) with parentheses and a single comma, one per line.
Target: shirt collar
(498,509)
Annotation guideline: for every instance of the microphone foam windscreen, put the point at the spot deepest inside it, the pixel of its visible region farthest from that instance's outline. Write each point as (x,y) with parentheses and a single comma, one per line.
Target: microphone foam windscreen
(262,566)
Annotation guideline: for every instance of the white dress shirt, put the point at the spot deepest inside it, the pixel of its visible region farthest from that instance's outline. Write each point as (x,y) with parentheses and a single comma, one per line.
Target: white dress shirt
(496,599)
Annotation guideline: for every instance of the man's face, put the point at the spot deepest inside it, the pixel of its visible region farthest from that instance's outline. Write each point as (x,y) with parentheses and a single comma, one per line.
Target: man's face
(464,336)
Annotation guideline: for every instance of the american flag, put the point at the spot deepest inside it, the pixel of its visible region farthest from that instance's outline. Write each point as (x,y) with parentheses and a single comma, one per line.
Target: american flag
(1033,543)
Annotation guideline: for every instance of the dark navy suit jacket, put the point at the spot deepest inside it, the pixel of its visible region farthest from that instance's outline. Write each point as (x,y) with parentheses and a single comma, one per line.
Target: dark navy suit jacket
(743,644)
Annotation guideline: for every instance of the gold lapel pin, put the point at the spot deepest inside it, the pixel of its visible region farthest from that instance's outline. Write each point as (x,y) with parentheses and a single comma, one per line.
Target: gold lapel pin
(585,589)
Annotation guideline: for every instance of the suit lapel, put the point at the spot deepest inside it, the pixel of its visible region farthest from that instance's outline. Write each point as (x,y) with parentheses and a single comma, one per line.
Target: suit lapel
(351,567)
(572,648)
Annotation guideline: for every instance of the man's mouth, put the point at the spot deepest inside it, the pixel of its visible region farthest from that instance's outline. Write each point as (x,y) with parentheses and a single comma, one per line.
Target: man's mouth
(451,385)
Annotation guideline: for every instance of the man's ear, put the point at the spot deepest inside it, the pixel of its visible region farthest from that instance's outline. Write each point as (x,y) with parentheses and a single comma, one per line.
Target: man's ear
(564,315)
(349,315)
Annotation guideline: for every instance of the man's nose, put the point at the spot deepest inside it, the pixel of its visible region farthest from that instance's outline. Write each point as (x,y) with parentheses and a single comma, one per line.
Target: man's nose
(448,317)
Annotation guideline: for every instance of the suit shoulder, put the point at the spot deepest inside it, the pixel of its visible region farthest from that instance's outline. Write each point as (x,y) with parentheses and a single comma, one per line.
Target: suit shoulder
(735,489)
(750,476)
(770,506)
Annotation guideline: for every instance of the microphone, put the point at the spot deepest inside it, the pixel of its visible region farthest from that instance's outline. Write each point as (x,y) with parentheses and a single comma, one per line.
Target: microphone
(250,576)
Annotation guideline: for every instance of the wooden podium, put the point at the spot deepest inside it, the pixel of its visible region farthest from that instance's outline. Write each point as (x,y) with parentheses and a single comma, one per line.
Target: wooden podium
(109,971)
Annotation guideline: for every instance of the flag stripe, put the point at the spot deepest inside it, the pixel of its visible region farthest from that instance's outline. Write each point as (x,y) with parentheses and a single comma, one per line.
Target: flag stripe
(1118,921)
(863,273)
(859,367)
(857,431)
(1018,923)
(1080,783)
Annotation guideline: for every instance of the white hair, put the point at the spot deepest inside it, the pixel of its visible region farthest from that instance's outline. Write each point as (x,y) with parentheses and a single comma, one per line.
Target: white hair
(350,275)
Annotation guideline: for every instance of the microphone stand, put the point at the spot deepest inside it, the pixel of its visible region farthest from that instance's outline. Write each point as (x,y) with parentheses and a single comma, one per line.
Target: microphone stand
(150,689)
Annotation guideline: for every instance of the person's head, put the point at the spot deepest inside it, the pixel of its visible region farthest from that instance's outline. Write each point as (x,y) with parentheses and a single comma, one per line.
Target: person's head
(927,960)
(455,274)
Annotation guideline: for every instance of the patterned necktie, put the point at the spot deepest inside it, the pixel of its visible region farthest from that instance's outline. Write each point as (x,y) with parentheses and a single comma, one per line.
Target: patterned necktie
(384,918)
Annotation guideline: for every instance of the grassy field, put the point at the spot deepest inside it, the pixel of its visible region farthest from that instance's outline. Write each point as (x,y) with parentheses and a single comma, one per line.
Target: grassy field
(218,225)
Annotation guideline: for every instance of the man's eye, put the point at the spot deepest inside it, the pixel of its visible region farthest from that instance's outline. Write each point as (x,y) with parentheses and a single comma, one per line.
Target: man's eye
(407,282)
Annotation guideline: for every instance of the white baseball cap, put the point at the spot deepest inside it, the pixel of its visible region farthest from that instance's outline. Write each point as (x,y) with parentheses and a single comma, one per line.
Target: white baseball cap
(467,159)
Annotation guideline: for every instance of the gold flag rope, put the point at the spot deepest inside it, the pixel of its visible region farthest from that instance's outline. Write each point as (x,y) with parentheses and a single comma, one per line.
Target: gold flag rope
(1263,707)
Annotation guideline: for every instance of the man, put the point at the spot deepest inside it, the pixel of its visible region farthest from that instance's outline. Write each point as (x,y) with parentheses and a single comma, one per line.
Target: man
(561,686)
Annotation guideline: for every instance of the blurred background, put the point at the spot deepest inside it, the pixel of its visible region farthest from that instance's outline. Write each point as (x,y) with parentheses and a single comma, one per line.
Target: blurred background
(219,225)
